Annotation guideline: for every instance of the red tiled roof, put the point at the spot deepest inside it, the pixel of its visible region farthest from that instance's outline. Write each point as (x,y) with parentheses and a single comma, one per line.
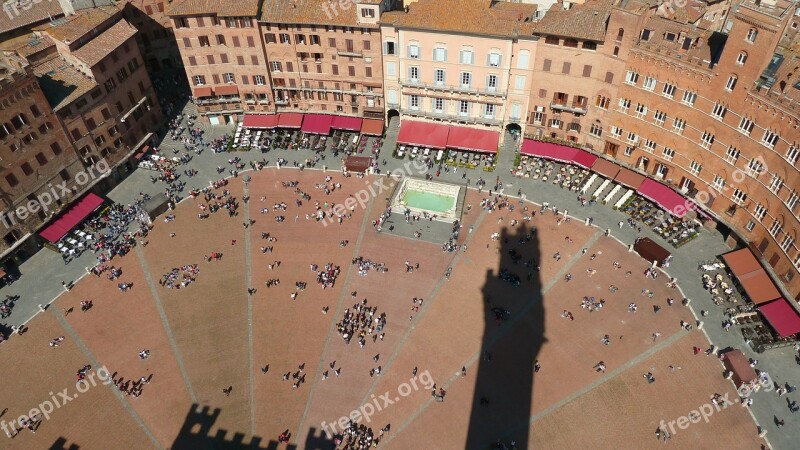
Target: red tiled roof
(223,8)
(15,16)
(106,42)
(465,16)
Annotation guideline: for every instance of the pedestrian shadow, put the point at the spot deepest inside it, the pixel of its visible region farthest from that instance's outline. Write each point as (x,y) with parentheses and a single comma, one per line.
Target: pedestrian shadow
(513,336)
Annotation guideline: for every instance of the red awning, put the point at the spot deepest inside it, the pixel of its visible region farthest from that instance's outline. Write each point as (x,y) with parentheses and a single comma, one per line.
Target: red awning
(260,121)
(629,178)
(584,159)
(317,124)
(346,123)
(605,168)
(665,197)
(75,215)
(741,262)
(372,127)
(290,120)
(204,91)
(464,138)
(759,287)
(423,134)
(230,89)
(547,150)
(782,316)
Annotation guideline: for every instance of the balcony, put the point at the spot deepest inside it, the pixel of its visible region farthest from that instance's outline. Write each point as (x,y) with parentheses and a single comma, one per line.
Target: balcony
(574,108)
(451,117)
(349,52)
(414,83)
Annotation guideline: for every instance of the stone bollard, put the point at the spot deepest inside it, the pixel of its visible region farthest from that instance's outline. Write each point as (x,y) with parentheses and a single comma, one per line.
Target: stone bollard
(630,248)
(586,222)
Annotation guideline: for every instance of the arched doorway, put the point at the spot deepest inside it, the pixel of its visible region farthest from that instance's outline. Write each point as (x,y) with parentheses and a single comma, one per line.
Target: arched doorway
(513,128)
(391,114)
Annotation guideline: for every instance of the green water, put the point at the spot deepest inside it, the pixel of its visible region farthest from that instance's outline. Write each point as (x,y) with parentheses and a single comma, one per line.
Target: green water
(429,201)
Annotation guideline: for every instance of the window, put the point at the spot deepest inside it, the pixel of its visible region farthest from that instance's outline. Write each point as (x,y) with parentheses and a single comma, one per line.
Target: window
(259,80)
(616,132)
(668,153)
(792,154)
(746,126)
(546,65)
(791,201)
(391,69)
(719,183)
(463,107)
(641,111)
(438,105)
(587,71)
(624,104)
(628,151)
(650,146)
(649,83)
(388,48)
(228,77)
(555,123)
(285,39)
(731,82)
(775,228)
(689,97)
(26,168)
(571,43)
(732,155)
(491,83)
(199,80)
(551,40)
(588,45)
(770,139)
(633,138)
(596,130)
(413,101)
(719,111)
(678,125)
(438,77)
(759,212)
(609,77)
(12,180)
(741,58)
(750,225)
(739,197)
(466,57)
(566,67)
(519,82)
(413,51)
(523,59)
(368,13)
(602,102)
(631,77)
(41,159)
(669,90)
(440,54)
(775,184)
(751,35)
(537,118)
(488,111)
(755,167)
(660,117)
(695,168)
(516,111)
(413,74)
(706,140)
(204,42)
(466,79)
(787,242)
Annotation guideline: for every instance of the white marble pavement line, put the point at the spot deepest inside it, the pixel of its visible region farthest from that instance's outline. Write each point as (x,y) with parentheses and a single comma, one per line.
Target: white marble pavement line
(343,296)
(165,321)
(249,274)
(95,364)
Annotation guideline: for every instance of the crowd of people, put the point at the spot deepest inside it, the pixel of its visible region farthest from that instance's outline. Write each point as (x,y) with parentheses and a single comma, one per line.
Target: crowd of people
(180,277)
(363,321)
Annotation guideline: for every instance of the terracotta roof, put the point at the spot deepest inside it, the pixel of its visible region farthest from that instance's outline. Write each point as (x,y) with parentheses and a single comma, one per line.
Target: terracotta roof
(582,21)
(15,16)
(222,8)
(98,48)
(465,16)
(659,27)
(311,12)
(25,46)
(61,83)
(78,25)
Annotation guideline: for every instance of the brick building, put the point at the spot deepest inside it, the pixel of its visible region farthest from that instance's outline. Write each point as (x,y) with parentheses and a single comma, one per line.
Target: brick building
(35,157)
(155,37)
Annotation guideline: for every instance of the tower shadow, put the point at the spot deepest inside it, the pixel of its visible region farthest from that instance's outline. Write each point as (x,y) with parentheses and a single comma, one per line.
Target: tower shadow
(513,336)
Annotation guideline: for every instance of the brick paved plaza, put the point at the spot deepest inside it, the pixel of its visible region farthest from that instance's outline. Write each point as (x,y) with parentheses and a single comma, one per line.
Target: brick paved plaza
(212,335)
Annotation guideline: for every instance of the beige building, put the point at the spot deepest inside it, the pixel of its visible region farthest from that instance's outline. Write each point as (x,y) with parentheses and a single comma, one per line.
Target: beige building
(461,63)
